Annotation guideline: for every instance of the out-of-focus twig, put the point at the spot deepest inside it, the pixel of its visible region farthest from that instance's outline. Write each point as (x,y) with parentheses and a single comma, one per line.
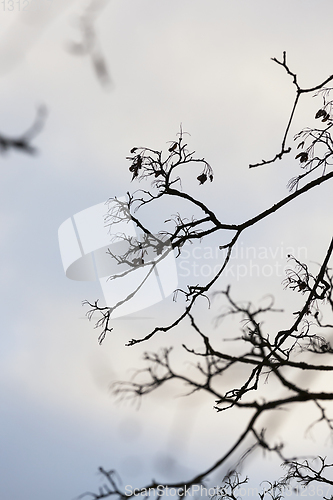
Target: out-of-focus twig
(23,142)
(90,44)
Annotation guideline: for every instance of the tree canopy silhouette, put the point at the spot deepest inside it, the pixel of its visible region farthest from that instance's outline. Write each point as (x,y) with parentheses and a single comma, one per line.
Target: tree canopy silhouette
(264,355)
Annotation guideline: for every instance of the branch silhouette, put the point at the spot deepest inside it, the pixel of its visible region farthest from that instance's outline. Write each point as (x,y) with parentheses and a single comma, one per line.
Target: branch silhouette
(23,142)
(264,354)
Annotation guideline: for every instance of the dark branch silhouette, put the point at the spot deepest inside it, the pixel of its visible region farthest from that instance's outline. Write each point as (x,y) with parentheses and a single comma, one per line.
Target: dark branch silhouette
(264,354)
(299,92)
(23,142)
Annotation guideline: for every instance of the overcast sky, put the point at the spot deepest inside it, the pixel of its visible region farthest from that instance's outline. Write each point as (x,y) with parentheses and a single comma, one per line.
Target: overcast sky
(203,64)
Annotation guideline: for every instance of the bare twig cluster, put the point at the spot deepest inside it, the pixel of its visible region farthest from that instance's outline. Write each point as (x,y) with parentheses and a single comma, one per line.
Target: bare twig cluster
(299,91)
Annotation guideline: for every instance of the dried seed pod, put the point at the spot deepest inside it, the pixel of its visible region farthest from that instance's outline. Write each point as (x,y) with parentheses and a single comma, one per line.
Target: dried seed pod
(320,112)
(136,165)
(303,157)
(173,147)
(202,178)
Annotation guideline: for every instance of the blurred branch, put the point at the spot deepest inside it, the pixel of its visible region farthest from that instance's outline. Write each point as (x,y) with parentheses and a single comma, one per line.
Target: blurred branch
(23,142)
(89,44)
